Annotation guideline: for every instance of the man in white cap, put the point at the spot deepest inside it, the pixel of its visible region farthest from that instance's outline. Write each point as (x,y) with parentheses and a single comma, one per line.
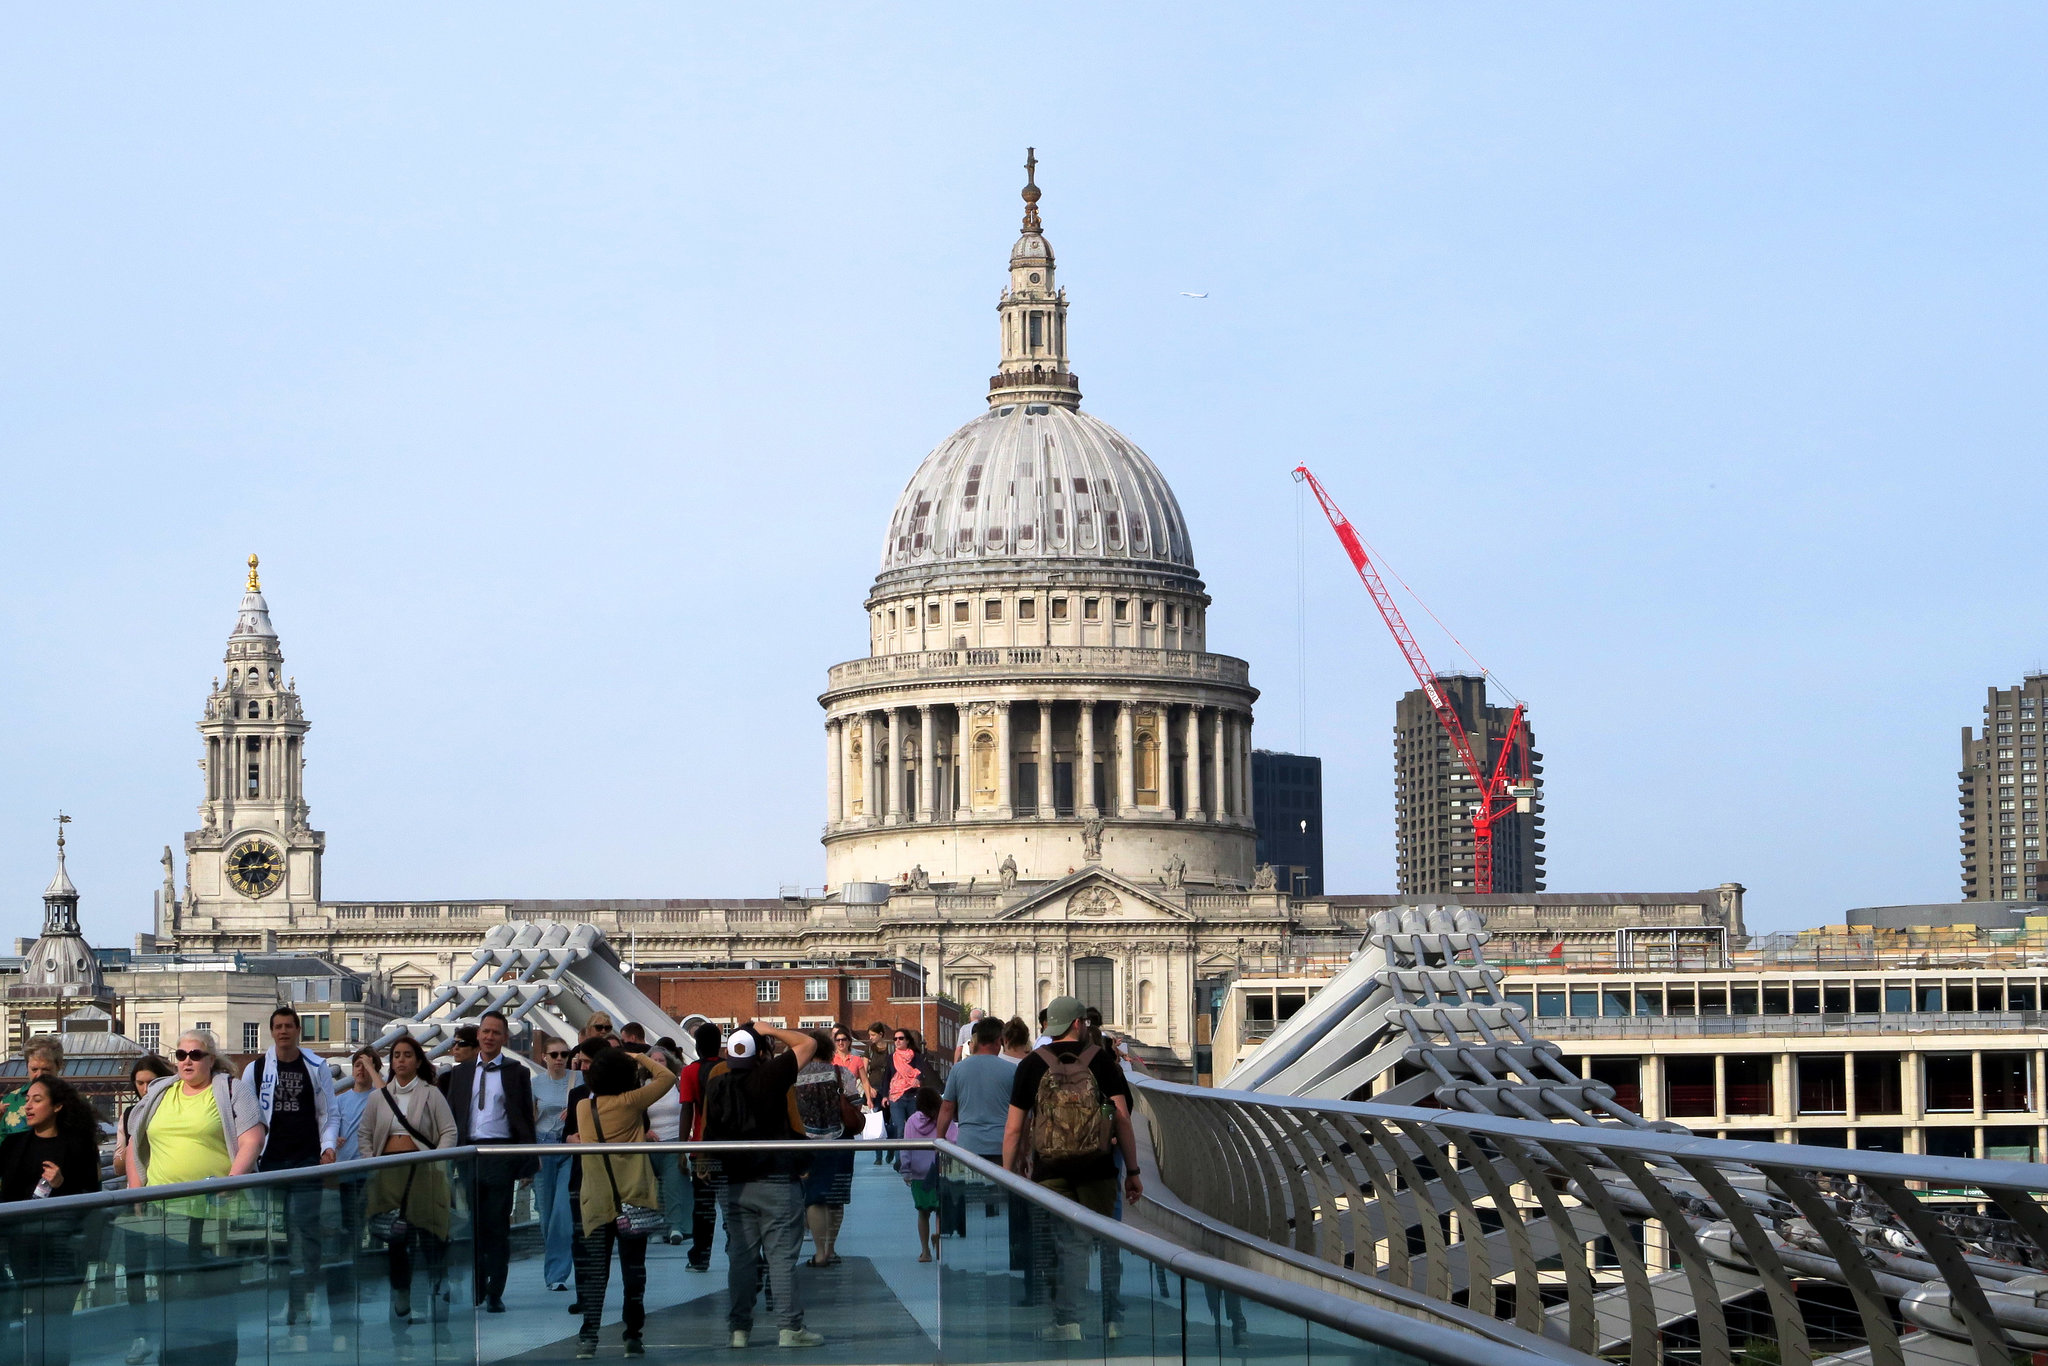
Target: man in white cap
(1069,1103)
(749,1097)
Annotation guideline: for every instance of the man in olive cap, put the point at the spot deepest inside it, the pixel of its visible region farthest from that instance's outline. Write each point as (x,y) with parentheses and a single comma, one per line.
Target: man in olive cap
(1069,1103)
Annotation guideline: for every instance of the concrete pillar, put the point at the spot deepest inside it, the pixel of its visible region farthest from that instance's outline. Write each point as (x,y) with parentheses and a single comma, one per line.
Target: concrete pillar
(963,762)
(1977,1085)
(1084,799)
(1126,766)
(1912,1087)
(835,762)
(927,765)
(1045,811)
(1652,1086)
(1193,760)
(1852,1105)
(893,779)
(1721,1088)
(1006,762)
(1216,764)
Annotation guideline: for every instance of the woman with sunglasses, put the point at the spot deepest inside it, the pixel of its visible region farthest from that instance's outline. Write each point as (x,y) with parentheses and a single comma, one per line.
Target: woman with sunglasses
(551,1184)
(199,1125)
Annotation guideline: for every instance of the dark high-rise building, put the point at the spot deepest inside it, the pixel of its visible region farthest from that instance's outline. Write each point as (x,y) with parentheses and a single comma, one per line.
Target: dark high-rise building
(1434,796)
(2001,796)
(1287,805)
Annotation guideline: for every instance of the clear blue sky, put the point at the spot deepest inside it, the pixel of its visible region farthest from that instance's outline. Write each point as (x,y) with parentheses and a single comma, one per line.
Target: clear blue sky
(564,367)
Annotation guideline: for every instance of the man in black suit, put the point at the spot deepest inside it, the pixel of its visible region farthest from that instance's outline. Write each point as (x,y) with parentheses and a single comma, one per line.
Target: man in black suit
(492,1098)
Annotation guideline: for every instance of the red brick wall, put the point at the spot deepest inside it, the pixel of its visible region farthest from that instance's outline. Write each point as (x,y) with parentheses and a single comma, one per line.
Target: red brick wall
(733,995)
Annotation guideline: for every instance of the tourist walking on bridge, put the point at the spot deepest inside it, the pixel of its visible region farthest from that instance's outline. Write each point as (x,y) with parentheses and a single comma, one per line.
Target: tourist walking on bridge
(492,1097)
(749,1098)
(551,1184)
(295,1097)
(57,1154)
(620,1203)
(413,1205)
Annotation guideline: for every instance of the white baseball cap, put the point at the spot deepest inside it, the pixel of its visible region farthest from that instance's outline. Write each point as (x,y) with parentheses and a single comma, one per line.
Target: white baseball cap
(741,1044)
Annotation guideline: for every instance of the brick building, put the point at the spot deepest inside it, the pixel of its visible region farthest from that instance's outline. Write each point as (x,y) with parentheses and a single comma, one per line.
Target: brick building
(804,995)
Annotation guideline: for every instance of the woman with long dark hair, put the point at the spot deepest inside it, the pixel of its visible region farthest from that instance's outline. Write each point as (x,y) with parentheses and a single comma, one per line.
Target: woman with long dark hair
(58,1154)
(410,1205)
(622,1085)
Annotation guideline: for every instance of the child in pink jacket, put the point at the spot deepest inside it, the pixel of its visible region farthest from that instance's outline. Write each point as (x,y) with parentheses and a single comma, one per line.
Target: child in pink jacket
(920,1168)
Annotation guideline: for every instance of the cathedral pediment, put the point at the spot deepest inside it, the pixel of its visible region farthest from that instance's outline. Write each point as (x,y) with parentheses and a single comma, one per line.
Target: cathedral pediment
(1095,896)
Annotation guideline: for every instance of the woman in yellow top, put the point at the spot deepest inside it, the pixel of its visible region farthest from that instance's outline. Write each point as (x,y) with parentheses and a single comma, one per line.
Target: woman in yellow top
(615,1112)
(202,1124)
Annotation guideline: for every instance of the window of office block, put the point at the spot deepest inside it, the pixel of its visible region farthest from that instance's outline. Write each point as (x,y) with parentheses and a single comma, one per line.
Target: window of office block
(2007,1078)
(1777,999)
(1688,1086)
(1962,996)
(1869,1000)
(2021,997)
(150,1035)
(1625,1075)
(817,988)
(857,989)
(1948,1082)
(769,990)
(1880,1139)
(1877,1084)
(1713,1000)
(1742,1001)
(1834,998)
(1550,1003)
(1649,1000)
(1585,1003)
(1749,1085)
(252,1036)
(1683,1002)
(1928,997)
(1898,1000)
(2010,1142)
(1990,996)
(1614,1002)
(1823,1084)
(1806,999)
(1958,1140)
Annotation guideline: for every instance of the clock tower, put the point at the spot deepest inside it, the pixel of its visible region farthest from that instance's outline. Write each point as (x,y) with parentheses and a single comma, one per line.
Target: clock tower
(253,863)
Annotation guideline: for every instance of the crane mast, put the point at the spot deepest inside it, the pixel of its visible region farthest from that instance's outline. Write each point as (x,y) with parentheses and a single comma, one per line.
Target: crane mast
(1498,794)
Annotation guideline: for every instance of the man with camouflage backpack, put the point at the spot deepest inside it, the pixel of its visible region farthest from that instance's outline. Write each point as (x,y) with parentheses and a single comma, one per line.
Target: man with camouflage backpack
(1070,1101)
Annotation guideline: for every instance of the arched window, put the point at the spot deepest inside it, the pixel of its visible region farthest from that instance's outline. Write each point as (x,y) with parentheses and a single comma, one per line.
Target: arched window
(254,710)
(1095,985)
(271,674)
(969,990)
(1147,763)
(1145,997)
(1044,993)
(855,773)
(984,768)
(234,678)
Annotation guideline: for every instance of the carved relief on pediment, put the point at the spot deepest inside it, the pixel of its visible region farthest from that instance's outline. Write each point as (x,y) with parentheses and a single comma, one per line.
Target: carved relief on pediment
(1094,902)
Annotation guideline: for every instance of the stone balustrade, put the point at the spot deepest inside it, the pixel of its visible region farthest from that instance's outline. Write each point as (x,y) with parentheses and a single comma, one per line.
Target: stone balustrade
(1006,662)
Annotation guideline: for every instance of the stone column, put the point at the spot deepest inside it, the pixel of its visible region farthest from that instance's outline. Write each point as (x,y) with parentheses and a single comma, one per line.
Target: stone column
(1852,1108)
(1084,797)
(1216,806)
(892,778)
(1126,762)
(1045,811)
(835,796)
(1977,1085)
(1244,769)
(1006,762)
(963,760)
(926,764)
(1912,1087)
(1193,782)
(1721,1088)
(848,729)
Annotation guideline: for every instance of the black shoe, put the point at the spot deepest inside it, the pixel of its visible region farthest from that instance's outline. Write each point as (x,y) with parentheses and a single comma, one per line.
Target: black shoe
(494,1305)
(635,1347)
(576,1308)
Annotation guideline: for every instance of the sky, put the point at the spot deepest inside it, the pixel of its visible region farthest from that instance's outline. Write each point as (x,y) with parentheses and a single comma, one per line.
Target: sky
(564,367)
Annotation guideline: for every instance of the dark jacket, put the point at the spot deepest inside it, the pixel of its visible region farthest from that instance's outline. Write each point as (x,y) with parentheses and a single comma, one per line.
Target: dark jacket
(18,1175)
(518,1084)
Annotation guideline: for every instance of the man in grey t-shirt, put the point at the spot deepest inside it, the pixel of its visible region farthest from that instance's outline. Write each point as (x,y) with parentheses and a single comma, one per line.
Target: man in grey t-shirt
(978,1092)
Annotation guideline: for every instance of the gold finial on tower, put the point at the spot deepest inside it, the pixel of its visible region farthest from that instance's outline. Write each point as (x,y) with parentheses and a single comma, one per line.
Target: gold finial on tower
(62,821)
(255,584)
(1031,191)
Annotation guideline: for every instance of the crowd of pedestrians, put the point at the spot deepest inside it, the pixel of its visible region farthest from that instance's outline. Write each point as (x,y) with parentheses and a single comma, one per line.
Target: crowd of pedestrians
(1054,1106)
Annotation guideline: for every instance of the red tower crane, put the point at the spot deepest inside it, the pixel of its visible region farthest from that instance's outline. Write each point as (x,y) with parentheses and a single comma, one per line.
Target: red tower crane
(1500,794)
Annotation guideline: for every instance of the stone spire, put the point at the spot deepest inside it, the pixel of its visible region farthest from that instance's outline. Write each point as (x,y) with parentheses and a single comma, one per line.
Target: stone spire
(60,897)
(1033,316)
(61,964)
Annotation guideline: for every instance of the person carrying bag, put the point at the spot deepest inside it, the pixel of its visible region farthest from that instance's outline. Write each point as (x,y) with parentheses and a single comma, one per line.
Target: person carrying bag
(411,1206)
(620,1199)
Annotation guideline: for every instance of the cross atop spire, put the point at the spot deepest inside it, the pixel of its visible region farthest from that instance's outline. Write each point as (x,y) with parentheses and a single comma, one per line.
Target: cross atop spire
(1031,191)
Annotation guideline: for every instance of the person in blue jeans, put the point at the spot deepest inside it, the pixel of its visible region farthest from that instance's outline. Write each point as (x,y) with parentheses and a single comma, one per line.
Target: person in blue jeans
(551,1183)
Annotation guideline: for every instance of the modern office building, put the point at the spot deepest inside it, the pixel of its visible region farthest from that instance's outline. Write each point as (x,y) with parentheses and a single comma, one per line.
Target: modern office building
(2000,801)
(1287,806)
(1434,796)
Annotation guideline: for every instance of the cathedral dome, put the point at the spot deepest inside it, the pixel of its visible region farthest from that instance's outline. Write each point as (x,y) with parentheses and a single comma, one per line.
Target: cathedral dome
(1035,481)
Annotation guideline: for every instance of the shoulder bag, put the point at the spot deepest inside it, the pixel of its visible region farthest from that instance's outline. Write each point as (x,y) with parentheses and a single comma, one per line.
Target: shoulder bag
(391,1227)
(633,1221)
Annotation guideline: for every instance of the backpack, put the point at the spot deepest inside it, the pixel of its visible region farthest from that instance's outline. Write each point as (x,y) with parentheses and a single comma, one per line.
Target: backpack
(1070,1121)
(727,1115)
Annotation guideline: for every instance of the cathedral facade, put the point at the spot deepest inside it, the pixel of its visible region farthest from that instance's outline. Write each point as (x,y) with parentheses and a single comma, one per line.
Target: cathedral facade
(1038,780)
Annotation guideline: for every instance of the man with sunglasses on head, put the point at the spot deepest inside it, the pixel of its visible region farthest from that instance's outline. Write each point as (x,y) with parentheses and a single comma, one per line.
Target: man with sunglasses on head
(295,1096)
(492,1097)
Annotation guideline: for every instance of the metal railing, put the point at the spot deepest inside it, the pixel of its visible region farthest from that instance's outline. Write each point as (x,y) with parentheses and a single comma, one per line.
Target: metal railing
(25,1223)
(1644,1242)
(1792,1026)
(1010,661)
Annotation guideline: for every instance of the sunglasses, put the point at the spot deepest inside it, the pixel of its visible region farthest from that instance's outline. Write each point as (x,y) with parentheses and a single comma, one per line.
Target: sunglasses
(192,1055)
(557,1053)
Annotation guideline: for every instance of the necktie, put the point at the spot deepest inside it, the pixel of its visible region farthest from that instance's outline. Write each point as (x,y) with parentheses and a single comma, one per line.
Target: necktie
(481,1087)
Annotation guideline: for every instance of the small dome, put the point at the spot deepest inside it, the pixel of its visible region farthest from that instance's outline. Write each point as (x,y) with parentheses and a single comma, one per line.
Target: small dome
(1036,481)
(62,965)
(1030,247)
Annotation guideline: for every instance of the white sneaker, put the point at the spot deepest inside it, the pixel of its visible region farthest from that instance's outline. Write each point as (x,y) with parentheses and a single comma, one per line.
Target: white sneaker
(1113,1331)
(1060,1332)
(739,1338)
(800,1337)
(139,1353)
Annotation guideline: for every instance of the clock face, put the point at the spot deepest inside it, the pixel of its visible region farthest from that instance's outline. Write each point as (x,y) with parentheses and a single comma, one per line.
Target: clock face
(255,869)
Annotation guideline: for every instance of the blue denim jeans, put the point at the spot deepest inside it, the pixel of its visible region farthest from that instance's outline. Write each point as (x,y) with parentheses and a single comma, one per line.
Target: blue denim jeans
(558,1220)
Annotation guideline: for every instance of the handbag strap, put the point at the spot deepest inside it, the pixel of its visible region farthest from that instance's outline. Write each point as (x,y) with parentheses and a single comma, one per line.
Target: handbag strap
(596,1127)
